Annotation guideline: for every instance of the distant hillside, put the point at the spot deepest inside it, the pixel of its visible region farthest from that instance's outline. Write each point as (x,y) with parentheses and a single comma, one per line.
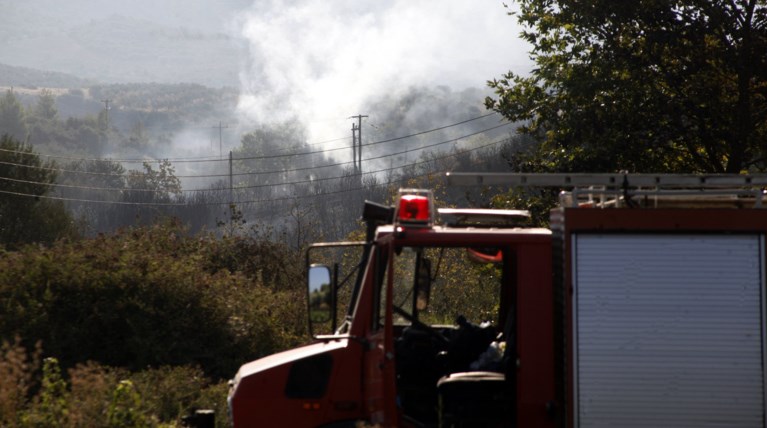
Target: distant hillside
(180,103)
(30,78)
(118,48)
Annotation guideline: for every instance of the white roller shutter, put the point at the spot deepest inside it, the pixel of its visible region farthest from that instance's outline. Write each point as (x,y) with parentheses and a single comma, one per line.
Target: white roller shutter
(668,330)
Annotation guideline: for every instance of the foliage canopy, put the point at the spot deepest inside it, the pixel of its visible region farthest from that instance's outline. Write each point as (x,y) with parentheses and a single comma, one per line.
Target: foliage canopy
(12,116)
(647,86)
(26,215)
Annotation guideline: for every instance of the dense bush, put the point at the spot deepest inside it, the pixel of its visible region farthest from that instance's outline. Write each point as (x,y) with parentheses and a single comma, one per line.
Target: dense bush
(151,297)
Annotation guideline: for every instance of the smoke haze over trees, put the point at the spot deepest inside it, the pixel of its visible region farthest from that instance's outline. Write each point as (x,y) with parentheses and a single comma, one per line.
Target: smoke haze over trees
(144,82)
(143,159)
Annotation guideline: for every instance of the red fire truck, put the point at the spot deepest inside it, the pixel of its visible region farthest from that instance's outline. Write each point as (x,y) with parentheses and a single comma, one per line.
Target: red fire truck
(642,305)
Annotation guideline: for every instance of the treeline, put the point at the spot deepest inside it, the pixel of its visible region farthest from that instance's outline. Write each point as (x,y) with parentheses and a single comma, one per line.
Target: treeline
(298,199)
(302,199)
(278,183)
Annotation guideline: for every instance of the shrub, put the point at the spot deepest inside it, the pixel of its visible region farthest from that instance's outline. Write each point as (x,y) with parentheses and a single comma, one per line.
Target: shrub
(170,393)
(96,396)
(16,375)
(50,404)
(124,410)
(91,393)
(153,297)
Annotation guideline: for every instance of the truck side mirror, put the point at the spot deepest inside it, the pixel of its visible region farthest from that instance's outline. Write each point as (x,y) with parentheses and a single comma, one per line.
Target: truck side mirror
(321,295)
(422,284)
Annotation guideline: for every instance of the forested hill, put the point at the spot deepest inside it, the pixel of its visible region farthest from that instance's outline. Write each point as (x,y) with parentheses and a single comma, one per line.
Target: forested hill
(155,112)
(179,103)
(32,78)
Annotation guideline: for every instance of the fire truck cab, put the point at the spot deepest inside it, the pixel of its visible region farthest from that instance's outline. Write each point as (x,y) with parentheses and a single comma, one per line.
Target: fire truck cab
(642,306)
(439,324)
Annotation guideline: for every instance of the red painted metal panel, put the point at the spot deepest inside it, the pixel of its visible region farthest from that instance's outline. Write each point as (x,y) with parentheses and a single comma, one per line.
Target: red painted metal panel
(535,374)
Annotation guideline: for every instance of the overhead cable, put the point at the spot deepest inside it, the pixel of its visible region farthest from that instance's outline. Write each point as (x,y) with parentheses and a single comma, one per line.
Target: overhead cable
(219,159)
(185,204)
(107,174)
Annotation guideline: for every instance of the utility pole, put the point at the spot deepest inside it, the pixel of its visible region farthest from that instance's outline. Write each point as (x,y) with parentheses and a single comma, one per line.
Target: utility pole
(220,135)
(358,161)
(354,147)
(106,112)
(231,186)
(106,109)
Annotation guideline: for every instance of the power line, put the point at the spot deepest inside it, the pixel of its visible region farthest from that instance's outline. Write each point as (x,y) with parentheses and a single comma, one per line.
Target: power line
(382,141)
(174,160)
(177,204)
(116,160)
(59,198)
(265,172)
(370,159)
(209,159)
(432,130)
(328,141)
(255,173)
(72,186)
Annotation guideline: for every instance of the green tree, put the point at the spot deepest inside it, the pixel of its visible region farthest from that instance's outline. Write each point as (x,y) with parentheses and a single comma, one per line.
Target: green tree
(101,179)
(84,134)
(259,148)
(26,215)
(649,86)
(12,117)
(153,186)
(42,122)
(45,109)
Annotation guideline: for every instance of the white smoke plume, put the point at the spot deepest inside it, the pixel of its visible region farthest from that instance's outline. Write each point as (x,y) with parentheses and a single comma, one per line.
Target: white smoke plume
(320,61)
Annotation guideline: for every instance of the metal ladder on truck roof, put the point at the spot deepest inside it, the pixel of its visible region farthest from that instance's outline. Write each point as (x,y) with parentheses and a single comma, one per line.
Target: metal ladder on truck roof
(618,189)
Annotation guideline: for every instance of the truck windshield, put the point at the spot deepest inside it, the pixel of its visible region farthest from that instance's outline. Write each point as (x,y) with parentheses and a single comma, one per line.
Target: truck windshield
(456,331)
(459,286)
